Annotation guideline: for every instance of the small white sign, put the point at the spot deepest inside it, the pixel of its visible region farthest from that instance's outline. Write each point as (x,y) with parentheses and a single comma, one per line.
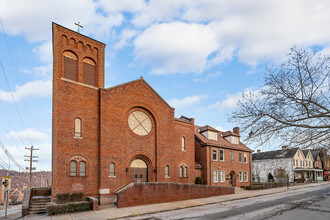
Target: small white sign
(104,191)
(6,183)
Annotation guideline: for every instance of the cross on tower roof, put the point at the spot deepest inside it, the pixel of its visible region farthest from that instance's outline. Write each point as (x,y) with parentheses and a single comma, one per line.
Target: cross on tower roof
(79,25)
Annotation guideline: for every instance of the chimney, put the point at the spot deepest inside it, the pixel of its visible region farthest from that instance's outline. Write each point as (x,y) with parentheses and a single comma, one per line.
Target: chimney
(285,147)
(258,151)
(236,130)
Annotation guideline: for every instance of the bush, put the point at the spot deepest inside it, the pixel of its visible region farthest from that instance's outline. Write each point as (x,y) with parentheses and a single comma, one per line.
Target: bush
(66,197)
(199,180)
(77,197)
(253,187)
(63,197)
(53,208)
(270,177)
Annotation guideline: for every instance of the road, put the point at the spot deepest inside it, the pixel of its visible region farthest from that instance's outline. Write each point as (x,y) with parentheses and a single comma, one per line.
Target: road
(307,203)
(11,210)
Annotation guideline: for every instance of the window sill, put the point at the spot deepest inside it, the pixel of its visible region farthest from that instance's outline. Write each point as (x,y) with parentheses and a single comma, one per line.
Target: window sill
(112,176)
(167,177)
(183,150)
(77,137)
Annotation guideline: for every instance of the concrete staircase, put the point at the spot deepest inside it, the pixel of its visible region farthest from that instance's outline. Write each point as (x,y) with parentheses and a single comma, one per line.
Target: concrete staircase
(38,204)
(239,190)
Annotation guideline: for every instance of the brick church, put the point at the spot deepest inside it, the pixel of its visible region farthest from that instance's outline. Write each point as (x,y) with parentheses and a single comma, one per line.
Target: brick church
(106,138)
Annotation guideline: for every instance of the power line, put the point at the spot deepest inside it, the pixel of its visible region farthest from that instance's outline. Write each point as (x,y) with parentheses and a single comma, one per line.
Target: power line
(13,64)
(10,156)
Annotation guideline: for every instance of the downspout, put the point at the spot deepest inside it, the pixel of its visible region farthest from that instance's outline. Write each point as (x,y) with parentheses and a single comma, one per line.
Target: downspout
(210,166)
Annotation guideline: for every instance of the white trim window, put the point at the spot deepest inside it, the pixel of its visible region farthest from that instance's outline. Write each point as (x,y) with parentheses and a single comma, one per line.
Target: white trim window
(215,154)
(231,155)
(222,155)
(77,127)
(215,176)
(245,158)
(240,157)
(73,168)
(82,168)
(185,172)
(240,176)
(183,144)
(112,169)
(222,176)
(181,171)
(246,177)
(167,171)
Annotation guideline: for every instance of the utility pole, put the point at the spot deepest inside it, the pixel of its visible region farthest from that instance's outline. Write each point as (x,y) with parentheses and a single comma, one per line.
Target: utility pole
(31,160)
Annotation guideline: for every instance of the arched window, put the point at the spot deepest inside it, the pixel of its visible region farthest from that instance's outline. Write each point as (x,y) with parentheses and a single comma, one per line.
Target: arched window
(181,171)
(183,144)
(185,172)
(77,127)
(82,168)
(89,72)
(112,169)
(70,63)
(73,168)
(167,171)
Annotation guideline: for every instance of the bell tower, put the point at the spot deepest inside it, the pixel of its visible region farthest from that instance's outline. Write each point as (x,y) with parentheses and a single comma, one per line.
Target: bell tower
(78,76)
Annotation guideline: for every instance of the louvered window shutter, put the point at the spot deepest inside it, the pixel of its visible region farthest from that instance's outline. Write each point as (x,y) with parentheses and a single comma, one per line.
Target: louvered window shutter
(89,74)
(70,68)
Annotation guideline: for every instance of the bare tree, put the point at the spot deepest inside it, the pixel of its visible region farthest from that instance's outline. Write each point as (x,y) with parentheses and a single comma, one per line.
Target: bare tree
(293,107)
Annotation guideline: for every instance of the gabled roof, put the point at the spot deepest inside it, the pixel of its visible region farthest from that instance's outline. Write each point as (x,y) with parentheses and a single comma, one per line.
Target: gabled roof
(229,133)
(136,83)
(275,154)
(207,128)
(315,154)
(221,142)
(305,152)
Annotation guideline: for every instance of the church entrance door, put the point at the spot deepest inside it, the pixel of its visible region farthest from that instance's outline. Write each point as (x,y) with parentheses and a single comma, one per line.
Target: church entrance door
(139,171)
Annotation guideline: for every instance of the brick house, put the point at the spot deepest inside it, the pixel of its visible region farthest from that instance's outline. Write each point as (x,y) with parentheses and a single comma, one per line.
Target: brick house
(225,160)
(105,138)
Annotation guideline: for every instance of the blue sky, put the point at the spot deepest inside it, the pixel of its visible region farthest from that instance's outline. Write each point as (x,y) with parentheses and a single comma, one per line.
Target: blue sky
(200,56)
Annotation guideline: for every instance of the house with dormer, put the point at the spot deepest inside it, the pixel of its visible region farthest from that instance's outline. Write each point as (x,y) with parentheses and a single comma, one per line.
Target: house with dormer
(225,160)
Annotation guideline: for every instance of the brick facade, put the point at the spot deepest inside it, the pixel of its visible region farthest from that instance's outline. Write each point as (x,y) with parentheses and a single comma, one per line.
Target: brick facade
(149,193)
(105,135)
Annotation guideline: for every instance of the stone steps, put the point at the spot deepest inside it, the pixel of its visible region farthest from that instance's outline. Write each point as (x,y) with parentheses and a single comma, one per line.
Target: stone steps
(38,204)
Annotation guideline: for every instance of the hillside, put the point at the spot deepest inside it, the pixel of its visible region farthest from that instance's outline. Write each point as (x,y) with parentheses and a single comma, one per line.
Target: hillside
(20,179)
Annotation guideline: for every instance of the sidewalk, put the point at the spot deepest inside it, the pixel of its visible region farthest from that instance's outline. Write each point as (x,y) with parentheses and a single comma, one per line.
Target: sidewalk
(111,212)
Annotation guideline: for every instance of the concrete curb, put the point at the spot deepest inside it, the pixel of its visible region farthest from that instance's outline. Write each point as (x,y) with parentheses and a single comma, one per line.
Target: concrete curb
(226,200)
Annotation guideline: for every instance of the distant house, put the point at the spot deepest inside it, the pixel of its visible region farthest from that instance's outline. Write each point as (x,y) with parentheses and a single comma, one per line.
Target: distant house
(318,168)
(264,163)
(225,161)
(309,168)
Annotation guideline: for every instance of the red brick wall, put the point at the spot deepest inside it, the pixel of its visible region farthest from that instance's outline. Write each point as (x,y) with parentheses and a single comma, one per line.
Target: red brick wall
(203,157)
(161,147)
(71,100)
(149,193)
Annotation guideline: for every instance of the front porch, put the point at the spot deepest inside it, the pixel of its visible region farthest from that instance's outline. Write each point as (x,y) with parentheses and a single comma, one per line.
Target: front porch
(302,175)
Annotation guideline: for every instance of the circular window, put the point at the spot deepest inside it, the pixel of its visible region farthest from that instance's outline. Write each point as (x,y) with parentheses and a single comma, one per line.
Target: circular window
(140,123)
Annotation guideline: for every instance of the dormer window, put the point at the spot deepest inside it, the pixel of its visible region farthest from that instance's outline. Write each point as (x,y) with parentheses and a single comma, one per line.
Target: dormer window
(211,135)
(232,139)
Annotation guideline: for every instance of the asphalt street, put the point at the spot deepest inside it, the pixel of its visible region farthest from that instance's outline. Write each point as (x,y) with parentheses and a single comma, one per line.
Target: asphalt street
(307,203)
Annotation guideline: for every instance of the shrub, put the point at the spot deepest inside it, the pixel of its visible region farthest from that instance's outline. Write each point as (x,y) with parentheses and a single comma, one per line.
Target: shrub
(63,197)
(199,180)
(253,187)
(53,208)
(270,177)
(77,197)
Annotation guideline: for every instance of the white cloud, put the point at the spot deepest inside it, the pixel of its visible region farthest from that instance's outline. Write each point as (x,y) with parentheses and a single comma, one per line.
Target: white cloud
(44,71)
(33,18)
(44,51)
(228,103)
(125,38)
(186,102)
(208,77)
(38,88)
(175,47)
(29,134)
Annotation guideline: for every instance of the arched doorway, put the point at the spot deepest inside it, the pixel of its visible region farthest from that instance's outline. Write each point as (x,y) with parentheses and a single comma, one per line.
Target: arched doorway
(139,171)
(232,178)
